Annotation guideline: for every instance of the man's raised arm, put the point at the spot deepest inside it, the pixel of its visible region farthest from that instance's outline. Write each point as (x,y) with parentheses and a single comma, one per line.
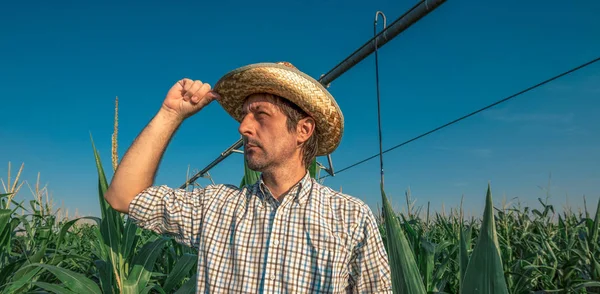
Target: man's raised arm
(137,169)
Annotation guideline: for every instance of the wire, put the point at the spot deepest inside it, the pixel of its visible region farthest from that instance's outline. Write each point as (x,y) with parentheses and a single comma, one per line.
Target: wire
(471,114)
(377,86)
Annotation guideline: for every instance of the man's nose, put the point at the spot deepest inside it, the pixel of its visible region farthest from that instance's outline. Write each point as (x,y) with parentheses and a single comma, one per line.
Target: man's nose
(245,126)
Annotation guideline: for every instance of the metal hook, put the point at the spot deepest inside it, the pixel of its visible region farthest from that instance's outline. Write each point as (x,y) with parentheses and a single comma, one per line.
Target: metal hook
(382,15)
(375,26)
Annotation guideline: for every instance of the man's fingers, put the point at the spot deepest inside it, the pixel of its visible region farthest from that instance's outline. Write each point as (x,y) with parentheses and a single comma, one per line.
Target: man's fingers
(201,92)
(195,91)
(185,84)
(193,88)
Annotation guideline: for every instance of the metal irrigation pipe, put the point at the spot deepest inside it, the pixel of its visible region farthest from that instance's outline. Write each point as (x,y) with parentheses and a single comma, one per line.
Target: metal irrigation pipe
(394,29)
(402,23)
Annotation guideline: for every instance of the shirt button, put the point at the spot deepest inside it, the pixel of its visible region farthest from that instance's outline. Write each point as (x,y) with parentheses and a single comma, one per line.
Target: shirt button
(272,277)
(276,242)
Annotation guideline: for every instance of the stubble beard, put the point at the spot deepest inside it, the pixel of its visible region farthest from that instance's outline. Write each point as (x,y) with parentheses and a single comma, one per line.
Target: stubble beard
(257,162)
(262,161)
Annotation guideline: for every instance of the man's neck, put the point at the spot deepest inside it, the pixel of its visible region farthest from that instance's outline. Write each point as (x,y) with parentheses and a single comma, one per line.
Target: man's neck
(281,180)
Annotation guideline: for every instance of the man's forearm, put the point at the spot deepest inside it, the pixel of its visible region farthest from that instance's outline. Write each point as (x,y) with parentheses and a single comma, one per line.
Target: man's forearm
(138,167)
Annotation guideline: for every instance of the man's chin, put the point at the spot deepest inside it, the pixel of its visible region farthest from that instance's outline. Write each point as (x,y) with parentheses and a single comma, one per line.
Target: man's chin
(255,166)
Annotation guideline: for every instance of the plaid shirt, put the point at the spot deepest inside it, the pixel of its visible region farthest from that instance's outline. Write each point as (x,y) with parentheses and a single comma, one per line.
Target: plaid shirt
(316,240)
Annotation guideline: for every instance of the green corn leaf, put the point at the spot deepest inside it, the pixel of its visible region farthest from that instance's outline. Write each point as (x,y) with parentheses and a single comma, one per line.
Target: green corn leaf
(75,259)
(143,265)
(313,169)
(33,204)
(405,272)
(130,239)
(73,281)
(440,278)
(7,270)
(595,269)
(5,229)
(17,285)
(485,273)
(183,266)
(188,287)
(594,230)
(99,249)
(463,254)
(106,277)
(109,212)
(112,226)
(25,271)
(103,203)
(587,284)
(156,288)
(426,263)
(5,215)
(54,288)
(250,176)
(111,240)
(65,228)
(411,235)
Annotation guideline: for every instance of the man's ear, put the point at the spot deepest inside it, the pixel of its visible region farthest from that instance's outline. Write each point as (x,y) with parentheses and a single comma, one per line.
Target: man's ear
(305,129)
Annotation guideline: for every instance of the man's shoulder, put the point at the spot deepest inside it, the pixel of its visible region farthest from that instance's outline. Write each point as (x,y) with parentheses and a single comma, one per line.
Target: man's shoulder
(340,200)
(224,187)
(199,193)
(225,190)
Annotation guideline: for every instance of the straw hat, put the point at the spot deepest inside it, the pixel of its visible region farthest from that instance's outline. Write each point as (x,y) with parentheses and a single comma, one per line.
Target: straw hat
(284,80)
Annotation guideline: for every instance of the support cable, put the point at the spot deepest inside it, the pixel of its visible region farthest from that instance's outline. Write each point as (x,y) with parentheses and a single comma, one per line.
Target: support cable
(472,113)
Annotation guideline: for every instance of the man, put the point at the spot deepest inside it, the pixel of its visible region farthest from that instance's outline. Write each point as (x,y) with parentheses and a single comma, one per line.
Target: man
(284,234)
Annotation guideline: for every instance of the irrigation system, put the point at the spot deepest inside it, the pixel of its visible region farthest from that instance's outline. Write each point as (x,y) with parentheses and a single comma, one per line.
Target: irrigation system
(402,23)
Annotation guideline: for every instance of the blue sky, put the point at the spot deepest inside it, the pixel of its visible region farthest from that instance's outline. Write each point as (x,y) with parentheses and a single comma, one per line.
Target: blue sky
(62,64)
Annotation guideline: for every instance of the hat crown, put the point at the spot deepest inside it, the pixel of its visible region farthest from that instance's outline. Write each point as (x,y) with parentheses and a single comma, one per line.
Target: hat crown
(288,64)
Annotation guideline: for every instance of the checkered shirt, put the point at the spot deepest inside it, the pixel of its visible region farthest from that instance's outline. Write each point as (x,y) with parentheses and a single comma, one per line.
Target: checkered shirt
(316,240)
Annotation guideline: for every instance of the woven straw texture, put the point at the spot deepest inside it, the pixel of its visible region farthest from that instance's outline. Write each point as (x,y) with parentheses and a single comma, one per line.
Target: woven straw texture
(284,80)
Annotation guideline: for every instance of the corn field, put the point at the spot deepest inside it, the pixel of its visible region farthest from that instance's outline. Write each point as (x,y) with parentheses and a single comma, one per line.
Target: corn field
(509,249)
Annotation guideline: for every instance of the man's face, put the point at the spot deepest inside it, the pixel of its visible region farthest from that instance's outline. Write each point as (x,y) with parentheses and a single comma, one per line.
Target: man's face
(267,141)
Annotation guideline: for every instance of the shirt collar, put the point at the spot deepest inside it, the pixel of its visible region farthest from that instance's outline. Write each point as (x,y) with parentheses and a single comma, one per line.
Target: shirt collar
(299,193)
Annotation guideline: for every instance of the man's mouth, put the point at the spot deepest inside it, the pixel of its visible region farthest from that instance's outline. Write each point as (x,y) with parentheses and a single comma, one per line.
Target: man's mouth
(250,145)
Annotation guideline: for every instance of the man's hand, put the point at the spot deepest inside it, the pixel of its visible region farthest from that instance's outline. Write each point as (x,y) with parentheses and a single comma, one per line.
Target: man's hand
(138,167)
(187,97)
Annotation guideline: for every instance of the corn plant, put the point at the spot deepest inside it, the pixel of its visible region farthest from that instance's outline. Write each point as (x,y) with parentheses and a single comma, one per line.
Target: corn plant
(521,250)
(512,249)
(28,239)
(40,252)
(123,258)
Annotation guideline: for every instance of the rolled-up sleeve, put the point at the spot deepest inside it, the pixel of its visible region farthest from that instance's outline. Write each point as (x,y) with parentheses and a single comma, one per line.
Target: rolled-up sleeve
(173,212)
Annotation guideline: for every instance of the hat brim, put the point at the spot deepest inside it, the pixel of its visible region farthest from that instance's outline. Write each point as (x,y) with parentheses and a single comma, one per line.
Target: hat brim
(291,84)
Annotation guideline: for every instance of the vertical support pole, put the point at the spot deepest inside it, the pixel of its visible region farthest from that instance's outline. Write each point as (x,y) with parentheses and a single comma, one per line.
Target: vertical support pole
(377,86)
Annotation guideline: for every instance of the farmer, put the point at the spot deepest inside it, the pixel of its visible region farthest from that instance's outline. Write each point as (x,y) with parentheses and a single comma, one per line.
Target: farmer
(286,233)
